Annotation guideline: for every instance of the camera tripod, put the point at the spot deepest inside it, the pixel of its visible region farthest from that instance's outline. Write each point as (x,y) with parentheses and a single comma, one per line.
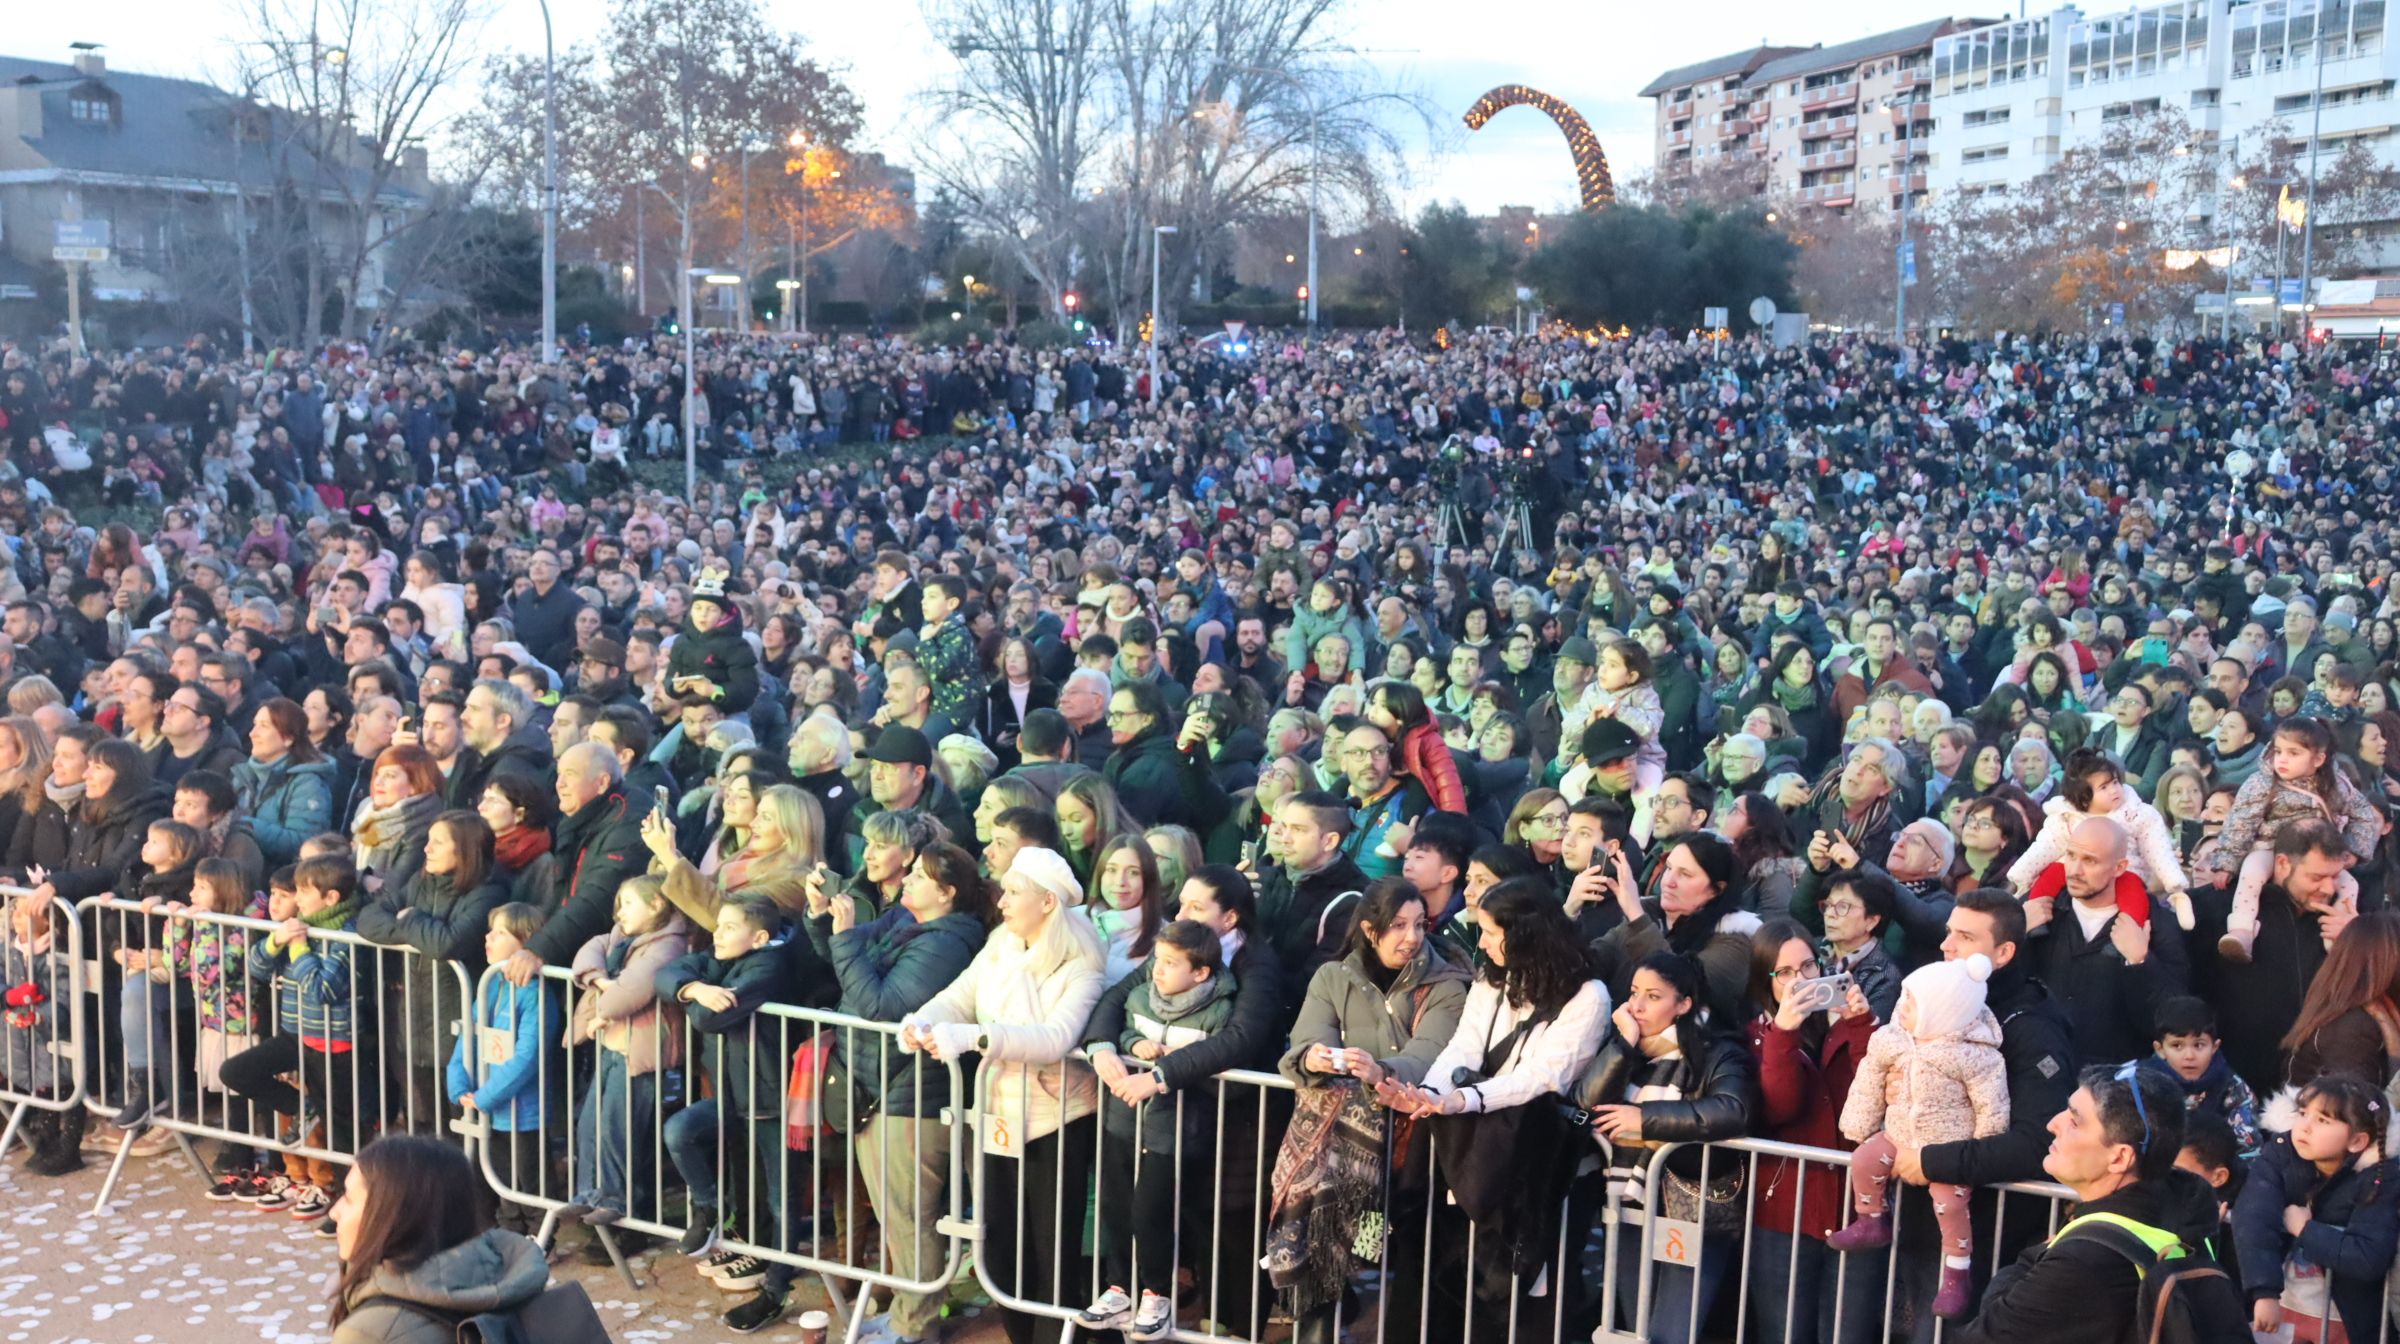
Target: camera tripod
(1516,527)
(1450,527)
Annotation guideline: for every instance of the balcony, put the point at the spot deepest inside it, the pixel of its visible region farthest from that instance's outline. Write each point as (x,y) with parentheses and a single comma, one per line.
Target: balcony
(1915,112)
(1827,95)
(1830,158)
(1916,183)
(1682,137)
(1676,111)
(1830,193)
(1827,126)
(1912,76)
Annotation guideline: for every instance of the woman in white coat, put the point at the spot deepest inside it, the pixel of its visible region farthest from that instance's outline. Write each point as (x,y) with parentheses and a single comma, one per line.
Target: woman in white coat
(1023,1004)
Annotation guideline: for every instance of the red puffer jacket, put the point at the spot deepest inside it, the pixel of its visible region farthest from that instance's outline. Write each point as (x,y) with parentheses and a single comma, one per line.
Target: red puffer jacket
(1800,1101)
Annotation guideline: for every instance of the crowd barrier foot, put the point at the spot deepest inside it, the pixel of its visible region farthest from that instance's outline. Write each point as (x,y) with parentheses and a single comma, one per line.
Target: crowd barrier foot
(16,1122)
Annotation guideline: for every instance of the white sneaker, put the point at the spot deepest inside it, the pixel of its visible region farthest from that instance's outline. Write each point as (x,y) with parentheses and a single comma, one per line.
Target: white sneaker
(1110,1311)
(1156,1314)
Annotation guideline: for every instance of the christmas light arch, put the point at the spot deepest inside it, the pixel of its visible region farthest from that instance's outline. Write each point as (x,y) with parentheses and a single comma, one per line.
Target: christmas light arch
(1591,165)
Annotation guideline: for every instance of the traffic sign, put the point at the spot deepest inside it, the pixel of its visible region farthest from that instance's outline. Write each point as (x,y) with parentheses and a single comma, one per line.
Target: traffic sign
(1234,329)
(1712,318)
(79,240)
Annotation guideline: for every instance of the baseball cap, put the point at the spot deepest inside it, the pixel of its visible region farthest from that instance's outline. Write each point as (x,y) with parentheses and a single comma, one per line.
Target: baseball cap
(1580,650)
(1607,741)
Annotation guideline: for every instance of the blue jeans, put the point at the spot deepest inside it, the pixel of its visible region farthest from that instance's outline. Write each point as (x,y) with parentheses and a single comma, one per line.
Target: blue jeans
(1807,1285)
(613,1125)
(694,1140)
(142,1007)
(1674,1319)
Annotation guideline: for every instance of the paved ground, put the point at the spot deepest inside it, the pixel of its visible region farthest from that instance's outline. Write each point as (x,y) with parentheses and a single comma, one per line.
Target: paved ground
(163,1260)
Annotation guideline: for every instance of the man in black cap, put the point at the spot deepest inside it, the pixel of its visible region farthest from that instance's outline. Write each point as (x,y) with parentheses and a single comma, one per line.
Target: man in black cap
(1608,747)
(601,674)
(900,776)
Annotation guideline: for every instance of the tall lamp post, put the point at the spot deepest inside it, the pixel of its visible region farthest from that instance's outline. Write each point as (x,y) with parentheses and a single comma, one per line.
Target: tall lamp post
(549,193)
(2308,220)
(1158,318)
(691,378)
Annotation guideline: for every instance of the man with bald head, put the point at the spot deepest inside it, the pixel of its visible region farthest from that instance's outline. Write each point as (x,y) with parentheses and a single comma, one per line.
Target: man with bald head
(2109,971)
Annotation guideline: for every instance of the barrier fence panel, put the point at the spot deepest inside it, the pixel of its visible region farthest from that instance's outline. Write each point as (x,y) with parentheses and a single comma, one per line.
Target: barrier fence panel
(42,1066)
(292,1046)
(1315,1209)
(647,1116)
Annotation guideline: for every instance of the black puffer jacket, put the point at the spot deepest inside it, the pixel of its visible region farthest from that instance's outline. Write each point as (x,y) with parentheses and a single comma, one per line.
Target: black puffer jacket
(104,845)
(720,656)
(1716,1075)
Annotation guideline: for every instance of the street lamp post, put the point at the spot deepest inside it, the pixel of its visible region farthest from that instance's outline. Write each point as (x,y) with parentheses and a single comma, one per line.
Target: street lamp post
(1158,234)
(549,192)
(2308,221)
(691,380)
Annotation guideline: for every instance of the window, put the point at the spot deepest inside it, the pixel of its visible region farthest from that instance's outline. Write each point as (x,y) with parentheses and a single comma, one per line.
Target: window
(91,109)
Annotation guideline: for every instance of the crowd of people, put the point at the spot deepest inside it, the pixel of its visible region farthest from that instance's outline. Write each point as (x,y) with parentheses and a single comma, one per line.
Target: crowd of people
(1544,751)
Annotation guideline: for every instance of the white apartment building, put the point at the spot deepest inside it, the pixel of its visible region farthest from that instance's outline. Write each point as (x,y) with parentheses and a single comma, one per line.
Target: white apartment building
(2009,98)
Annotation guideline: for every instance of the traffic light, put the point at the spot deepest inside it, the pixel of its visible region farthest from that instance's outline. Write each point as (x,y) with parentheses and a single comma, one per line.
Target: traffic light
(1071,300)
(1304,293)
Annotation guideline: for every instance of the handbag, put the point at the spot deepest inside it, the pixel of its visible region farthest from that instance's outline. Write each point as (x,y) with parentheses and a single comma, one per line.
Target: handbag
(803,1096)
(1717,1207)
(562,1314)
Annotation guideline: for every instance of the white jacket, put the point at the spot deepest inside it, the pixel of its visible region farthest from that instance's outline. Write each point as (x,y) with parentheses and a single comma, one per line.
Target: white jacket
(1547,1061)
(2150,845)
(1028,1011)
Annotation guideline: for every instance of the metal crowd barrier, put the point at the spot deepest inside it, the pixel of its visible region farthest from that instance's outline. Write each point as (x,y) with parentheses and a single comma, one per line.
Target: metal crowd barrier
(809,1211)
(42,1066)
(174,1031)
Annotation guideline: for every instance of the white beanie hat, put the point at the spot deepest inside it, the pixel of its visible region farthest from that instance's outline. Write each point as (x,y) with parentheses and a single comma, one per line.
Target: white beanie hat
(1049,870)
(1948,995)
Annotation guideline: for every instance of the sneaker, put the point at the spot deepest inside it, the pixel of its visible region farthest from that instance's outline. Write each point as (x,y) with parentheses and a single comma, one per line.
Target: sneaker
(573,1213)
(702,1234)
(326,1228)
(715,1263)
(281,1193)
(742,1275)
(1109,1311)
(756,1314)
(310,1204)
(600,1215)
(231,1186)
(154,1143)
(1154,1316)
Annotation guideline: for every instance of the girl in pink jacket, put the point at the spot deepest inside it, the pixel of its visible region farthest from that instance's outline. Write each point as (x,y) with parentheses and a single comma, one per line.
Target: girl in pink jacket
(1934,1075)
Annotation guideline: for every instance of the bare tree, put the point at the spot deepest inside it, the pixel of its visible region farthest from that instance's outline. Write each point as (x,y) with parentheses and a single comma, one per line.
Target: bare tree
(361,80)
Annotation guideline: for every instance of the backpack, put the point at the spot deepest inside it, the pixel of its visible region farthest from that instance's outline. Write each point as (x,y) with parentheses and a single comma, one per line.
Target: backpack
(2186,1296)
(563,1314)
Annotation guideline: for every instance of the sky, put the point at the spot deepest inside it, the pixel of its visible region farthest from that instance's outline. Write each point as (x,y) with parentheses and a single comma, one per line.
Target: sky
(1595,56)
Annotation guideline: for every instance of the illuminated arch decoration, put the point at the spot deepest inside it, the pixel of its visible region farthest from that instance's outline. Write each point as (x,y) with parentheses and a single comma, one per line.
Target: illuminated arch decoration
(1591,165)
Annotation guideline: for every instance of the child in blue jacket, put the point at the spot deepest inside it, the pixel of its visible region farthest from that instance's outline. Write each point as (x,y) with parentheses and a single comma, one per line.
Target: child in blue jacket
(2318,1219)
(515,1026)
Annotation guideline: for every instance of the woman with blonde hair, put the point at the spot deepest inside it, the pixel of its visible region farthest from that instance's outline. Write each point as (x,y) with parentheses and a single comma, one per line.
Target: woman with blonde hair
(1023,1003)
(786,842)
(30,693)
(1538,825)
(33,829)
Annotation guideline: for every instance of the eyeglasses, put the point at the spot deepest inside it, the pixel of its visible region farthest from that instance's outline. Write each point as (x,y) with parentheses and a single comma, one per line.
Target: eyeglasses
(1549,818)
(1123,715)
(2130,1075)
(1806,970)
(1842,908)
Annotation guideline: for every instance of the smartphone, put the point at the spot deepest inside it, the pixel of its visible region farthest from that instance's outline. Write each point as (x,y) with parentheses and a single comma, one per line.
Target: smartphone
(1822,994)
(665,806)
(328,615)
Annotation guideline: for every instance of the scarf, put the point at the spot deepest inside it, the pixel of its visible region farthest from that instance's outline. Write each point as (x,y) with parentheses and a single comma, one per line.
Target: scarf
(1794,699)
(1329,1181)
(517,850)
(212,840)
(382,827)
(1173,1006)
(67,796)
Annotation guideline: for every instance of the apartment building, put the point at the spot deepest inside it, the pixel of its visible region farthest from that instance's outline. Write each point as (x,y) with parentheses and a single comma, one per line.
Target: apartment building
(2010,98)
(1837,127)
(1704,112)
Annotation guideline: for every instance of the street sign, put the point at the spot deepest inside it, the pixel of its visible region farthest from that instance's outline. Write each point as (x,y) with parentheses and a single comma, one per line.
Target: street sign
(1712,318)
(2291,289)
(1234,330)
(79,240)
(1762,311)
(1908,261)
(2210,302)
(2116,314)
